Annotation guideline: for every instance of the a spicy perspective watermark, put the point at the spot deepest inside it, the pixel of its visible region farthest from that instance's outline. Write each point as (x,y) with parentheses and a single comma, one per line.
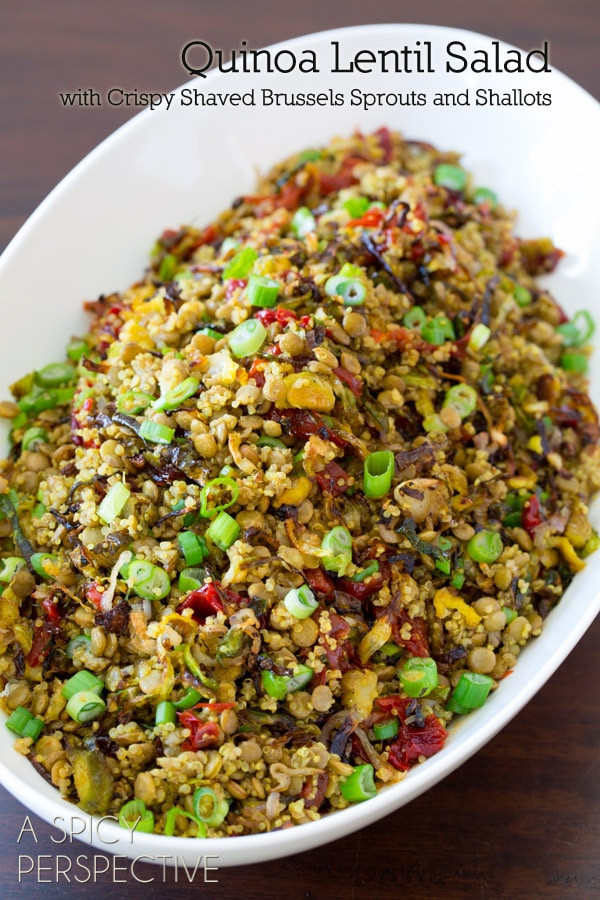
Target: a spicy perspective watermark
(88,868)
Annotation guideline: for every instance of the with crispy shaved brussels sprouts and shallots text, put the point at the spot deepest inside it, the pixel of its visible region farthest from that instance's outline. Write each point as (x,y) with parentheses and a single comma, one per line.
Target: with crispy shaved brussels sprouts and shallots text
(299,498)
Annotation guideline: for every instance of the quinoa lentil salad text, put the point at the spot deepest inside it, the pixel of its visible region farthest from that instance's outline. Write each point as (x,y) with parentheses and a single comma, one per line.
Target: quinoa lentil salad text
(299,498)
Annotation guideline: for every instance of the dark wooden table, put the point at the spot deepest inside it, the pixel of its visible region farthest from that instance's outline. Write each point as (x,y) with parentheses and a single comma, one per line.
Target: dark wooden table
(522,818)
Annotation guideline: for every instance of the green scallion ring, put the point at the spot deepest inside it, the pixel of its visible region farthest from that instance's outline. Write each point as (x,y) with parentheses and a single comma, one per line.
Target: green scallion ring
(383,731)
(156,433)
(241,264)
(40,562)
(378,473)
(24,724)
(191,579)
(165,713)
(114,501)
(85,706)
(55,375)
(360,785)
(10,565)
(32,437)
(303,222)
(300,602)
(472,690)
(419,676)
(414,318)
(209,807)
(193,547)
(484,196)
(133,402)
(356,206)
(262,291)
(449,176)
(148,581)
(223,531)
(82,681)
(247,338)
(174,398)
(226,481)
(462,398)
(135,817)
(337,545)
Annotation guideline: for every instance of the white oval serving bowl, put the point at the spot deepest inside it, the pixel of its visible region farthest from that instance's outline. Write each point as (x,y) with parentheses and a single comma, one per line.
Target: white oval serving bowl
(165,168)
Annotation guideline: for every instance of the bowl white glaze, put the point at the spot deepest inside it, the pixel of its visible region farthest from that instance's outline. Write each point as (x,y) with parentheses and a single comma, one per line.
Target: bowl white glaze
(164,168)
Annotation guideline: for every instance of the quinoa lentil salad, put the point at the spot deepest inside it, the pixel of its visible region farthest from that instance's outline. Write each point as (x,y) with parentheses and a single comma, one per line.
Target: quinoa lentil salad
(298,499)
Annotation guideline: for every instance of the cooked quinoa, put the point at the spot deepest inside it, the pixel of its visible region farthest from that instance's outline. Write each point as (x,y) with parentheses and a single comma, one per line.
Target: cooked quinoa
(172,489)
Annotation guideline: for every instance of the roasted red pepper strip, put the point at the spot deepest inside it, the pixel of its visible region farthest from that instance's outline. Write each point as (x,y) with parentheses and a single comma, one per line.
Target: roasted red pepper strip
(532,514)
(414,741)
(41,644)
(333,479)
(52,610)
(352,381)
(319,582)
(371,219)
(94,595)
(278,314)
(204,602)
(203,734)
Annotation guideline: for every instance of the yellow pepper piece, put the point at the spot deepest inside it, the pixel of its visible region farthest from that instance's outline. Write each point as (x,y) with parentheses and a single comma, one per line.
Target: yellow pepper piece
(444,600)
(568,553)
(535,443)
(379,635)
(298,492)
(522,481)
(306,390)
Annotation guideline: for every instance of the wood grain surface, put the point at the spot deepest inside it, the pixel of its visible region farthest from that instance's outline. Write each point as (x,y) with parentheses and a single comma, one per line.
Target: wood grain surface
(522,818)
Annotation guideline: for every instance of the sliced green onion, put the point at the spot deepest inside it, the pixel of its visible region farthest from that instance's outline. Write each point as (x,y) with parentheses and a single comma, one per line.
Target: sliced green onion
(472,690)
(449,176)
(171,817)
(485,546)
(352,291)
(133,402)
(419,676)
(194,548)
(414,318)
(479,337)
(511,614)
(443,565)
(262,291)
(148,581)
(55,375)
(433,333)
(356,206)
(309,155)
(168,267)
(390,650)
(378,473)
(76,349)
(303,222)
(191,579)
(485,195)
(383,731)
(113,503)
(207,511)
(302,675)
(522,295)
(241,264)
(189,699)
(24,724)
(462,398)
(578,331)
(211,333)
(40,561)
(228,244)
(82,640)
(247,338)
(82,681)
(209,808)
(349,270)
(135,817)
(274,685)
(434,423)
(457,580)
(332,285)
(574,362)
(360,785)
(38,511)
(39,400)
(513,520)
(453,706)
(371,569)
(300,602)
(177,395)
(10,565)
(156,433)
(337,544)
(266,441)
(224,531)
(33,436)
(85,706)
(165,713)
